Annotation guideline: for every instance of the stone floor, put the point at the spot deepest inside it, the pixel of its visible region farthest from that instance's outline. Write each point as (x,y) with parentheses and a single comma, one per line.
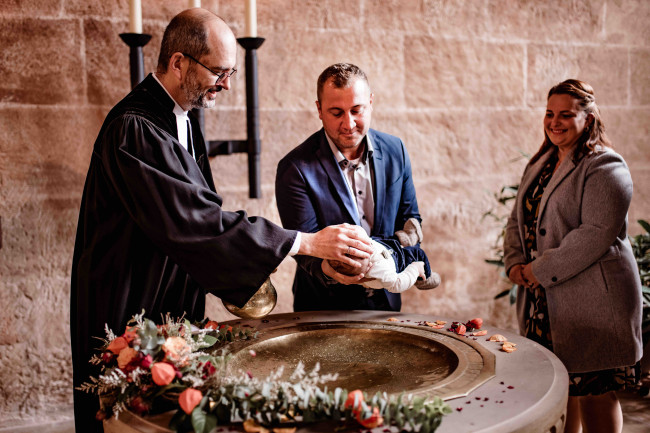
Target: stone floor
(636,415)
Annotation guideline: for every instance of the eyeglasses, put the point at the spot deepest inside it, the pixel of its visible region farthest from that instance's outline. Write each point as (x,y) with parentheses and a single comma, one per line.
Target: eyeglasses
(221,77)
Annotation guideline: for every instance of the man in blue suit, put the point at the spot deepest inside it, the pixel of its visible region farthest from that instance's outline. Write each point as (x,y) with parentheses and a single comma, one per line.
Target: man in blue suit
(344,173)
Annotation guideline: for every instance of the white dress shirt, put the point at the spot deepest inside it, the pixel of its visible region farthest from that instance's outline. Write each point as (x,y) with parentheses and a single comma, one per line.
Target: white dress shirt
(182,121)
(358,177)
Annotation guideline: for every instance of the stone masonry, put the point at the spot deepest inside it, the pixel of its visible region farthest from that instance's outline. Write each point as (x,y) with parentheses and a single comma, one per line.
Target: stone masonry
(462,82)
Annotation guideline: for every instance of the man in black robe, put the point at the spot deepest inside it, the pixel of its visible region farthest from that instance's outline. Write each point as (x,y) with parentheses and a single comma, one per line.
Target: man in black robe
(151,232)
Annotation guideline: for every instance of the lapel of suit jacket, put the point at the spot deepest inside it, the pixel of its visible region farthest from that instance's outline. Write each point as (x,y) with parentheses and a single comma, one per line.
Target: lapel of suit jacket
(566,167)
(328,162)
(379,171)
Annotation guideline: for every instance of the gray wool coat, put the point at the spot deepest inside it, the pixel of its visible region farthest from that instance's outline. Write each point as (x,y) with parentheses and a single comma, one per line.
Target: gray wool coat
(585,260)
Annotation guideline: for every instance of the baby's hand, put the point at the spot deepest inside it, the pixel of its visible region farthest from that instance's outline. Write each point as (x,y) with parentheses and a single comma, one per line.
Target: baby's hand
(420,267)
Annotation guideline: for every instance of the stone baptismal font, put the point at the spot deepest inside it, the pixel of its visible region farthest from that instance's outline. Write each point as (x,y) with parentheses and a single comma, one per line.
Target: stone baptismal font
(489,390)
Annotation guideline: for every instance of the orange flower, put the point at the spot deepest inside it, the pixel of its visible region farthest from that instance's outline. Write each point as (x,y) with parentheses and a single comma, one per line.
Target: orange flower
(374,420)
(211,325)
(189,399)
(130,333)
(117,345)
(353,396)
(126,356)
(163,373)
(176,350)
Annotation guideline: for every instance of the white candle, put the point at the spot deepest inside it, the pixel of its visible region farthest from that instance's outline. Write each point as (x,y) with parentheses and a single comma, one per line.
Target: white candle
(251,19)
(195,4)
(135,16)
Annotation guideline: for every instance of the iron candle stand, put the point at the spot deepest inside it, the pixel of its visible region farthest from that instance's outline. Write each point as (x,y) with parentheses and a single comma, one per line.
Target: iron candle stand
(136,41)
(252,145)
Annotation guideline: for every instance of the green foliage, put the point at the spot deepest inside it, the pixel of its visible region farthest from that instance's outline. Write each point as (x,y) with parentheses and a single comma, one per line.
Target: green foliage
(641,247)
(271,402)
(150,339)
(201,367)
(500,214)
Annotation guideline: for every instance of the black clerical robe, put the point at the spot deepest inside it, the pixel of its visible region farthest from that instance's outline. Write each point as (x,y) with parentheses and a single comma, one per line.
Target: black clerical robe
(152,234)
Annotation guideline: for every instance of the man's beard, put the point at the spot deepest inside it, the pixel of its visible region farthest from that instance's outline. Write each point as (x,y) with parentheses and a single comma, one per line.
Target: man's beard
(192,91)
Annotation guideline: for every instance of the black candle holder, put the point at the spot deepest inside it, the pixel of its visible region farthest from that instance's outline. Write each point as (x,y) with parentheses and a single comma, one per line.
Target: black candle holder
(136,41)
(252,145)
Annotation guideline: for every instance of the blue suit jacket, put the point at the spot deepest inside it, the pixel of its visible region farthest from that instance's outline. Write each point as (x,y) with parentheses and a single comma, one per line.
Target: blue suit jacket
(312,193)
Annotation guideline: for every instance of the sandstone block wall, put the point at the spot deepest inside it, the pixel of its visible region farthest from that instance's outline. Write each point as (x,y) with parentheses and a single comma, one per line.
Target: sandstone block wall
(463,82)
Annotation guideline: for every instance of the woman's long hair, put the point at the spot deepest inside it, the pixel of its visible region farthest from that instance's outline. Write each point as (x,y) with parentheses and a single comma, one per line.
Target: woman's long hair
(594,133)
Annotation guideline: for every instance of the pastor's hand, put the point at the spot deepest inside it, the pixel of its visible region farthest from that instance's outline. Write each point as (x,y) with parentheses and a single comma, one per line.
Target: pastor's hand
(343,242)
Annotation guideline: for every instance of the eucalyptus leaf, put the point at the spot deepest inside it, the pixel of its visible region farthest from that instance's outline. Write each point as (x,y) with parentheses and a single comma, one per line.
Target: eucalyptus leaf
(209,340)
(202,422)
(645,225)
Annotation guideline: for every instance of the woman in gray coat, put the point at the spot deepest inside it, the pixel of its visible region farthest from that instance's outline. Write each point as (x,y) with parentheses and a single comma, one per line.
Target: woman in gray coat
(566,247)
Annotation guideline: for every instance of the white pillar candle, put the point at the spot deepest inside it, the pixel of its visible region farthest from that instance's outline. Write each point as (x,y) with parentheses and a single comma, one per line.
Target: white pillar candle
(195,4)
(135,16)
(251,19)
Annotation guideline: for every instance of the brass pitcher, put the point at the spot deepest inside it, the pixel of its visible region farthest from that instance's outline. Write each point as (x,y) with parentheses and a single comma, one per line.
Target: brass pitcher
(259,305)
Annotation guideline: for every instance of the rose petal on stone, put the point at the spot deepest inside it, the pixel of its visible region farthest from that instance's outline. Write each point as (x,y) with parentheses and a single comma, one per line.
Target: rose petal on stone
(479,333)
(251,426)
(284,430)
(392,319)
(508,347)
(458,328)
(498,337)
(434,325)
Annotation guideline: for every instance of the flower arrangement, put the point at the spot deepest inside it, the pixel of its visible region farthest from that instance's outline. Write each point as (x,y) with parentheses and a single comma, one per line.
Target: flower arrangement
(180,366)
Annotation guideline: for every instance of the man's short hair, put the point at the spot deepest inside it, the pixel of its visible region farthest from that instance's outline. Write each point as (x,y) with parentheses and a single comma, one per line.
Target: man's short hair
(185,33)
(341,74)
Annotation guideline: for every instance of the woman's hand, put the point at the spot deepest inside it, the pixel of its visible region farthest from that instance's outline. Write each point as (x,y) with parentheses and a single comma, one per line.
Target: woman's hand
(528,277)
(515,275)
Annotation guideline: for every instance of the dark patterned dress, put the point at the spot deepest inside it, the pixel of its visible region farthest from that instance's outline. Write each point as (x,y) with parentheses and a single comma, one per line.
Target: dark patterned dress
(538,326)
